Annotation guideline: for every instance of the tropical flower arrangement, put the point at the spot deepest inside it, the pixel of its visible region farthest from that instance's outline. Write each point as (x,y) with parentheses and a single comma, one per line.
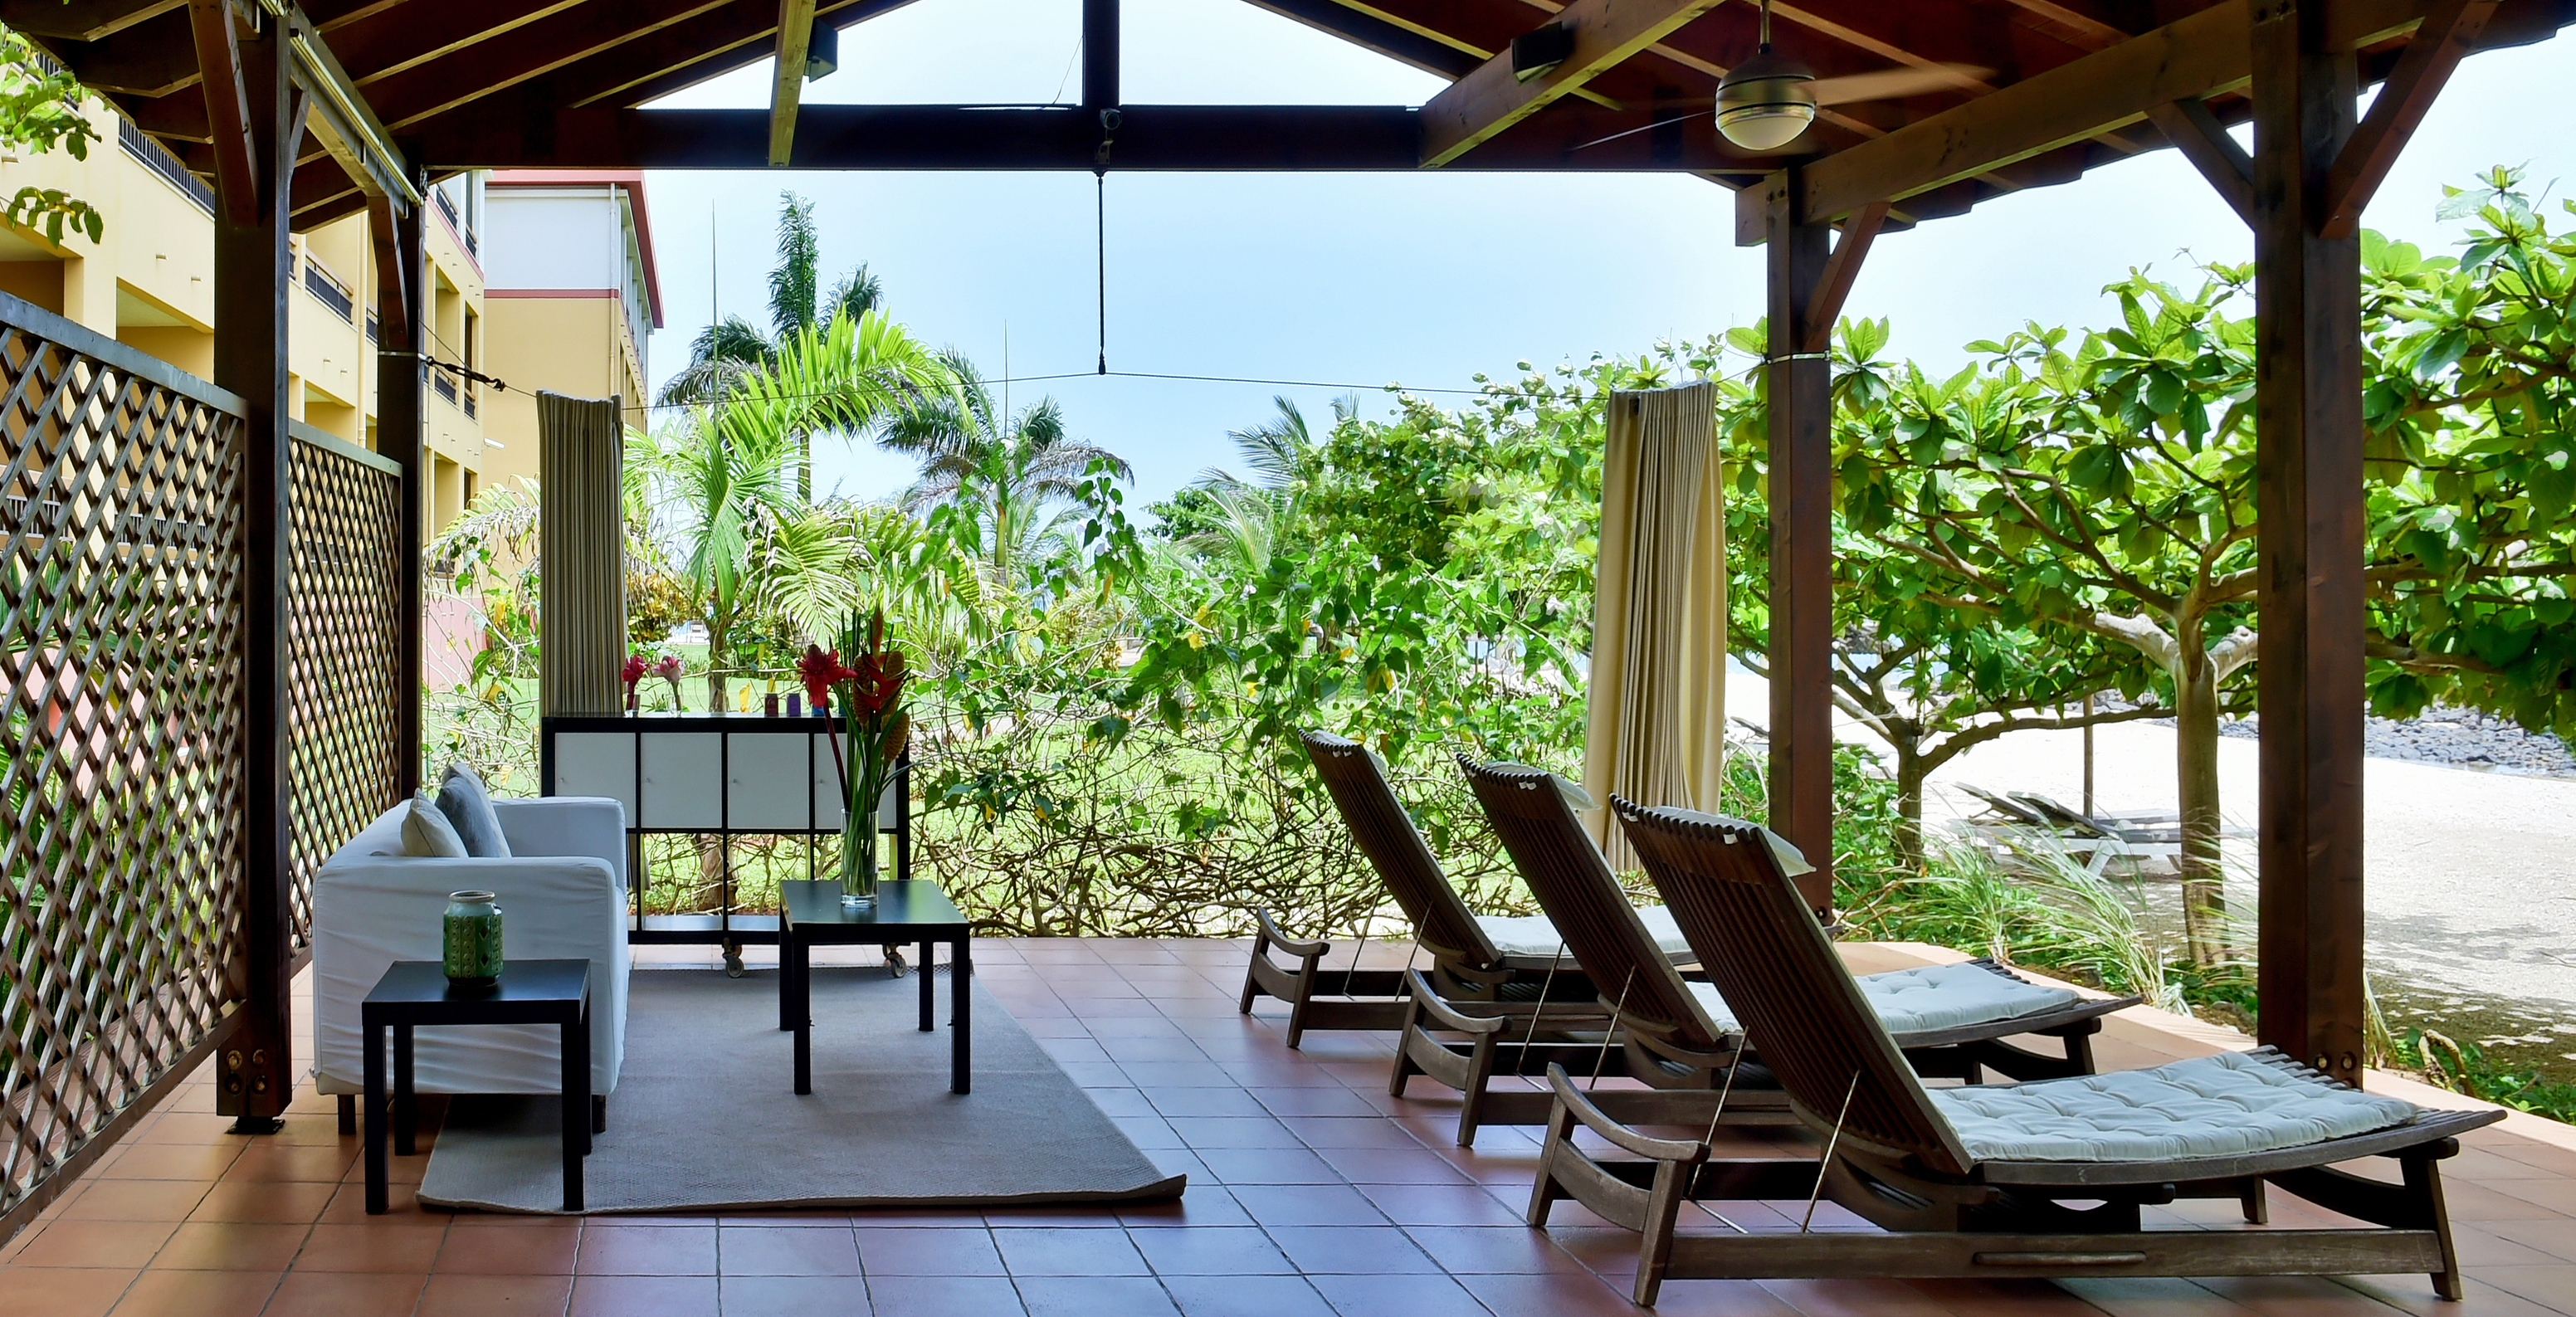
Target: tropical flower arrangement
(632,673)
(871,718)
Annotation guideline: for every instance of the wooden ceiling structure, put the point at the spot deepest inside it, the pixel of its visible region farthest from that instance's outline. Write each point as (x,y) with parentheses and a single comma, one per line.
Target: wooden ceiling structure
(302,111)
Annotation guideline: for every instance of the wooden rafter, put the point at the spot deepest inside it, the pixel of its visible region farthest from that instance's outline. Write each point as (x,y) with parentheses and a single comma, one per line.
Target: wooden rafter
(795,36)
(2203,141)
(227,108)
(1842,268)
(1491,99)
(2190,58)
(82,20)
(2448,33)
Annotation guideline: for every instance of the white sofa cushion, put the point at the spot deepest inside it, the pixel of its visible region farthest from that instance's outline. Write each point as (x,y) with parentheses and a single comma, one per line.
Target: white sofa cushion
(562,894)
(426,831)
(1535,936)
(2226,1105)
(1921,1000)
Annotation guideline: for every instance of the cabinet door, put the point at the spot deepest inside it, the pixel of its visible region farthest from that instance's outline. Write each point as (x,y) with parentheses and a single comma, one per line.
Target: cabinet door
(683,781)
(764,771)
(596,764)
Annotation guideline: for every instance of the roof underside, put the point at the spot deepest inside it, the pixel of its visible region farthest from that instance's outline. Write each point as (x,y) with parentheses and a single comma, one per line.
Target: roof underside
(556,83)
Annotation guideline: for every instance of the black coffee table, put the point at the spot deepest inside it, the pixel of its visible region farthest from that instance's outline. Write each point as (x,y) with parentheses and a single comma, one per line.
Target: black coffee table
(415,993)
(810,914)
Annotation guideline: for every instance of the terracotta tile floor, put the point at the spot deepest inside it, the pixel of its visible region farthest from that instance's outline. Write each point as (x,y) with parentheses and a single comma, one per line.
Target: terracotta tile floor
(1312,1194)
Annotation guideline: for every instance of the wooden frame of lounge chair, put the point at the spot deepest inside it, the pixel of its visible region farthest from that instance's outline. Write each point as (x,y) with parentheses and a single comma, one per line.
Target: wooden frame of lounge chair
(1670,1041)
(1467,971)
(1892,1159)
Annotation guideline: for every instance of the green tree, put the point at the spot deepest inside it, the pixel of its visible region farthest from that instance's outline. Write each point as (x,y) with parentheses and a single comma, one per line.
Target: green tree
(40,111)
(728,352)
(1009,475)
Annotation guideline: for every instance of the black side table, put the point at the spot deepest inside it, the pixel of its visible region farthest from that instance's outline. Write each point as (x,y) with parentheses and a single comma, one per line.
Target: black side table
(810,914)
(414,993)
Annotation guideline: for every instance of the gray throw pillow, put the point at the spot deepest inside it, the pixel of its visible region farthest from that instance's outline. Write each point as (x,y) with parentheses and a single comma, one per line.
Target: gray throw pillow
(427,833)
(466,804)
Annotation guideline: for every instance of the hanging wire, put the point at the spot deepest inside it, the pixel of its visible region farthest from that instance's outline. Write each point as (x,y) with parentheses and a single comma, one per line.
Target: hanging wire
(1100,231)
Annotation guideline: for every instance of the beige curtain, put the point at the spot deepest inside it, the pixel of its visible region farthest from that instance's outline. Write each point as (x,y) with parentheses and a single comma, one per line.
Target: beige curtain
(1658,681)
(581,634)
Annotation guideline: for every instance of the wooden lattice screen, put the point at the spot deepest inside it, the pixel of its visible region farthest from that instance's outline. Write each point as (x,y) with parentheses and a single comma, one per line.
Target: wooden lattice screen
(344,713)
(121,767)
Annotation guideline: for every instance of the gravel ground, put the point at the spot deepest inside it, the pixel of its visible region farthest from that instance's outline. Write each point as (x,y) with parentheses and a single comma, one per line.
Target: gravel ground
(2456,738)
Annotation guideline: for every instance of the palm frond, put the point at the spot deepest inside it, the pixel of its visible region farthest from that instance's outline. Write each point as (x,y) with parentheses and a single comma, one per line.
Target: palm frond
(792,282)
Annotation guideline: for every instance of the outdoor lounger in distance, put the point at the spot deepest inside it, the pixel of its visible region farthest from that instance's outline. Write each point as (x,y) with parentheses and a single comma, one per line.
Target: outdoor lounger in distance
(1950,1020)
(2026,1180)
(1488,965)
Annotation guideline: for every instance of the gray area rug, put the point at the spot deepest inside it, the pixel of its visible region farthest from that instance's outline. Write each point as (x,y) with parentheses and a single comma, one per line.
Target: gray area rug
(703,1118)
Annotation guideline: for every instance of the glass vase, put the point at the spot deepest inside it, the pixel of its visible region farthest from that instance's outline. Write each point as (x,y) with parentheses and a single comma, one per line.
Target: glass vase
(471,952)
(859,863)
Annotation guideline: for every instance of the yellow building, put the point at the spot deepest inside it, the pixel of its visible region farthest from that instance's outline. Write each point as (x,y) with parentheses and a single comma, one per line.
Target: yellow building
(570,313)
(571,297)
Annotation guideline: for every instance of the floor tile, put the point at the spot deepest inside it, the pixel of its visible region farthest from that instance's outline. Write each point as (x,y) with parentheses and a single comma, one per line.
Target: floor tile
(1067,1252)
(126,1244)
(136,1200)
(1205,1133)
(643,1296)
(897,1252)
(1364,1250)
(372,1246)
(1246,1296)
(495,1296)
(943,1296)
(793,1296)
(1095,1296)
(471,1251)
(1203,1205)
(1307,1205)
(62,1291)
(198,1294)
(1441,1205)
(1429,1295)
(1558,1295)
(1266,1166)
(623,1250)
(345,1294)
(232,1246)
(1210,1251)
(263,1201)
(786,1251)
(1492,1249)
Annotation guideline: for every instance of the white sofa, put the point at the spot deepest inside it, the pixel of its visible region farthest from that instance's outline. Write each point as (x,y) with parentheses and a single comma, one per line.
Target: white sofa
(562,895)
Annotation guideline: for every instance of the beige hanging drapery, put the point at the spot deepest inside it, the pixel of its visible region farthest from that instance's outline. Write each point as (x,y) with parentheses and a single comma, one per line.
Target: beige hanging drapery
(1656,728)
(581,628)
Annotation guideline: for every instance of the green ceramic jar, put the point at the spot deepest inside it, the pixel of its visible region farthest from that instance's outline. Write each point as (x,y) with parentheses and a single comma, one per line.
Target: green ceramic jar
(473,947)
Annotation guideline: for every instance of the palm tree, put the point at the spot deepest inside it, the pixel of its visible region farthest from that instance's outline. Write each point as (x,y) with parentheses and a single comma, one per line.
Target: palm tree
(1240,518)
(733,478)
(730,351)
(1003,471)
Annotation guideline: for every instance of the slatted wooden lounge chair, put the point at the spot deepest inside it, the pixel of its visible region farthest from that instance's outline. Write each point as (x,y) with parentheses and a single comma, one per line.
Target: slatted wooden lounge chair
(1952,1020)
(1487,966)
(2029,1180)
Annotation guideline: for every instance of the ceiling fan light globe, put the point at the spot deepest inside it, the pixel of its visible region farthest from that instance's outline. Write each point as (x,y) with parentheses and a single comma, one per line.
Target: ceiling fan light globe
(1765,124)
(1765,102)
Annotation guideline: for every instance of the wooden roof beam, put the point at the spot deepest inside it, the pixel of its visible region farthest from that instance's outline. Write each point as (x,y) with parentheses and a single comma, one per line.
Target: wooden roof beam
(2203,140)
(1491,99)
(1436,53)
(81,20)
(795,37)
(210,24)
(2207,52)
(2363,164)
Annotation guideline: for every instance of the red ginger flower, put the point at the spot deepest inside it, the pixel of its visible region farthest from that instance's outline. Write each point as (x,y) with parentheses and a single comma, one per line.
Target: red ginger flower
(669,667)
(820,669)
(634,670)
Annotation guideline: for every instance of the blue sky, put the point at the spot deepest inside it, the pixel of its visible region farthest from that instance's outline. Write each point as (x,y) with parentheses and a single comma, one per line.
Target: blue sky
(1420,278)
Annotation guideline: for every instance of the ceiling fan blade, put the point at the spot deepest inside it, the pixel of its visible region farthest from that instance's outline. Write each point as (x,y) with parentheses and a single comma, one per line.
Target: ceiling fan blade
(1894,84)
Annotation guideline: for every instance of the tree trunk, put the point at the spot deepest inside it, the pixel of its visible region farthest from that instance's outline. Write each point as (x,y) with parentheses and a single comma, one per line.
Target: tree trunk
(1910,773)
(2204,898)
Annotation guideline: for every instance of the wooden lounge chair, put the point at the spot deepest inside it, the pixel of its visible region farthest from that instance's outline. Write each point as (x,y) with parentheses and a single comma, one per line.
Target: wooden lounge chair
(2030,1180)
(1485,965)
(1675,1034)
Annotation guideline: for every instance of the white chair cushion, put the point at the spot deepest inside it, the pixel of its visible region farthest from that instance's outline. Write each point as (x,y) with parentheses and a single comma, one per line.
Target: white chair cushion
(1952,996)
(1533,935)
(1933,997)
(2226,1105)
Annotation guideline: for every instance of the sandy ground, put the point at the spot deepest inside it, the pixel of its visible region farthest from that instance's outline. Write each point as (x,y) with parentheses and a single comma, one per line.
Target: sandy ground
(2471,875)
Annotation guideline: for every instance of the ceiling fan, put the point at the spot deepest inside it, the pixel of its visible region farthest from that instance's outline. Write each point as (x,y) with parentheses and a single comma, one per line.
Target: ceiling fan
(1767,102)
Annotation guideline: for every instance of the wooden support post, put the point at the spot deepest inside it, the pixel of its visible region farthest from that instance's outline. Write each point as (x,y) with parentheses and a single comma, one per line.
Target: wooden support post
(1798,384)
(1099,54)
(400,434)
(2308,478)
(254,1076)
